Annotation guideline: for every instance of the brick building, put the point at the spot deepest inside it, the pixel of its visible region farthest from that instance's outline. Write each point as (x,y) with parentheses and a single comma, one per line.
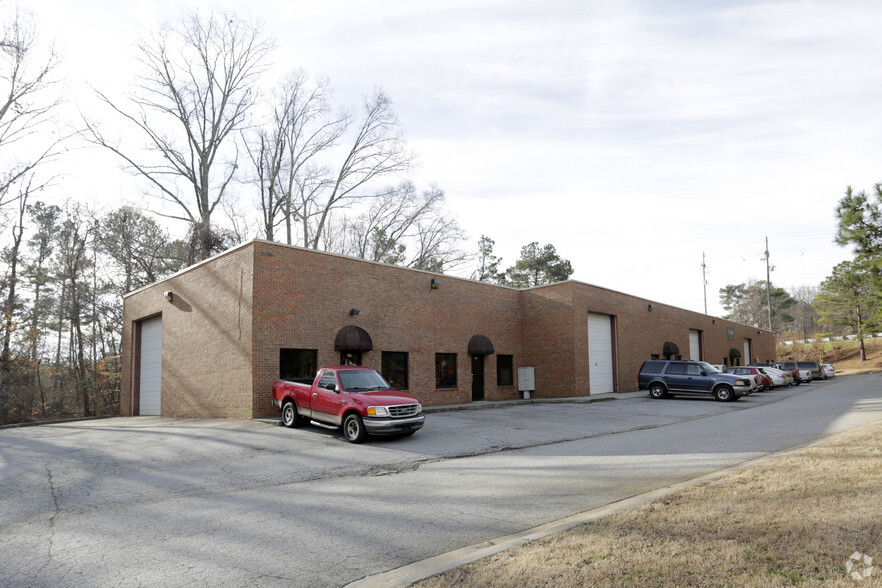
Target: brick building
(210,340)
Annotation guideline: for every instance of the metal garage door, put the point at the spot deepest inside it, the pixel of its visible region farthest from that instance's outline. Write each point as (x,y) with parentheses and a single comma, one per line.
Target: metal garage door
(600,357)
(747,359)
(694,345)
(150,382)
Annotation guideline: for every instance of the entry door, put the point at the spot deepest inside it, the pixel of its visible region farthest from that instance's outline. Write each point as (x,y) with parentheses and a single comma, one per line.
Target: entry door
(150,377)
(600,358)
(477,377)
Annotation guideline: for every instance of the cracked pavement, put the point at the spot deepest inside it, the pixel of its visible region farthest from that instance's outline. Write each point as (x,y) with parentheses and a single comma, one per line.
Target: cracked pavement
(147,501)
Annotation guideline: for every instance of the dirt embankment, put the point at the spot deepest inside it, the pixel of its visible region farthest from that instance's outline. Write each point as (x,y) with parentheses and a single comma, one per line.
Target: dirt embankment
(844,355)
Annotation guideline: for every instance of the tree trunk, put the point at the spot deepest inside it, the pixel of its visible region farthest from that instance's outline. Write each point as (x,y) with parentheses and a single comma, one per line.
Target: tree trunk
(17,234)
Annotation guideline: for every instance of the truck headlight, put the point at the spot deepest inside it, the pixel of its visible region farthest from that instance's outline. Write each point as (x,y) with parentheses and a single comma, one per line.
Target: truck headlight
(377,411)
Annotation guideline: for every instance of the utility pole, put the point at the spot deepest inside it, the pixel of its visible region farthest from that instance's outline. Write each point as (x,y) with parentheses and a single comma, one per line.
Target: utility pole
(704,280)
(768,283)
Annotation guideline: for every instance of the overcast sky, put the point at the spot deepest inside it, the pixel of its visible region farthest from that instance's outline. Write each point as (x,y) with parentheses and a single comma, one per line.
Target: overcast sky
(634,136)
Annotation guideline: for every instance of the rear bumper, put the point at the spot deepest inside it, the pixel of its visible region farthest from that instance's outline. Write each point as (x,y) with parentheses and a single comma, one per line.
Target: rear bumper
(389,426)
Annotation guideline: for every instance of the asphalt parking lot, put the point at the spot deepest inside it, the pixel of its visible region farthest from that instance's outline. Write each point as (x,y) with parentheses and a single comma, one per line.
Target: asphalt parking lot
(148,500)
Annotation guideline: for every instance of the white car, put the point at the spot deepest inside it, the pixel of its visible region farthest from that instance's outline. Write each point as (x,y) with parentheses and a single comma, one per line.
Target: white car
(779,377)
(829,370)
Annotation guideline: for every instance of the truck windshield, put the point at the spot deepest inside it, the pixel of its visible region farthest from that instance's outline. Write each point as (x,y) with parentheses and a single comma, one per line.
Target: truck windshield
(360,380)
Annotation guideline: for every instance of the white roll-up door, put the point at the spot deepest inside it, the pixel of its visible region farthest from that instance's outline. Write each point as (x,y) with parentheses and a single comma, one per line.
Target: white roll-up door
(694,345)
(600,357)
(747,359)
(150,382)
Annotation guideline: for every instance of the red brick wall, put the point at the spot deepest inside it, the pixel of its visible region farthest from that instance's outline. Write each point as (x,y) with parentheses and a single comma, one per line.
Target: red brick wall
(303,298)
(549,339)
(206,338)
(233,313)
(640,333)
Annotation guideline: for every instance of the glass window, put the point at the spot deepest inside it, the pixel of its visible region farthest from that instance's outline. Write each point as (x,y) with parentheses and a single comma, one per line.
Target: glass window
(445,370)
(693,369)
(350,358)
(504,370)
(652,367)
(394,369)
(298,364)
(676,369)
(362,380)
(328,380)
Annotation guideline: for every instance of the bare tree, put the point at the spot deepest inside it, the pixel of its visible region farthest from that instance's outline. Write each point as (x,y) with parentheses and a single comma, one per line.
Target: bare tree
(404,227)
(301,129)
(200,83)
(804,313)
(377,150)
(437,239)
(74,239)
(9,305)
(28,97)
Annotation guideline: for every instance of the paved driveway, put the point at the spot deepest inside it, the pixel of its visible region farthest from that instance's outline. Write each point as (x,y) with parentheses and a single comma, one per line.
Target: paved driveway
(149,501)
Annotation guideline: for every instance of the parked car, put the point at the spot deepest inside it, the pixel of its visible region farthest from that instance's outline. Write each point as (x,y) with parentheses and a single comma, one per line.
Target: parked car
(763,382)
(813,367)
(829,370)
(800,375)
(355,399)
(664,378)
(779,377)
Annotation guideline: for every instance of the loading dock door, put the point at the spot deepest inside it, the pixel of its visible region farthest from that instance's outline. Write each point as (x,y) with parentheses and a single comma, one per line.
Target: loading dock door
(150,379)
(694,345)
(600,358)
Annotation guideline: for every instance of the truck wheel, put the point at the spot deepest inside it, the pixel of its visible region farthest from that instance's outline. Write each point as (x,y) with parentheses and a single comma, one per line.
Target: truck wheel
(657,391)
(724,393)
(290,418)
(353,428)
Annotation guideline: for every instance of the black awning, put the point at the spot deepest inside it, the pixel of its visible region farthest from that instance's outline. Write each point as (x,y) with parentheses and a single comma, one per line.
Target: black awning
(480,345)
(734,352)
(670,348)
(352,338)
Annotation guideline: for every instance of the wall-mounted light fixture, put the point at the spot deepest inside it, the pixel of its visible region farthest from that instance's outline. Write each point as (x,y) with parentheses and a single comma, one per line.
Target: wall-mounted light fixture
(649,308)
(170,296)
(436,283)
(353,312)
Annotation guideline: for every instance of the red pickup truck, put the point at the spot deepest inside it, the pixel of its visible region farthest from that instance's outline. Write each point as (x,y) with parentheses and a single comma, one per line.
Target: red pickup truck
(353,398)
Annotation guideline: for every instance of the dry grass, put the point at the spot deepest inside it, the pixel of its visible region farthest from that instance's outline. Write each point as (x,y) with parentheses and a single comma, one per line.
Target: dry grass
(845,355)
(795,520)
